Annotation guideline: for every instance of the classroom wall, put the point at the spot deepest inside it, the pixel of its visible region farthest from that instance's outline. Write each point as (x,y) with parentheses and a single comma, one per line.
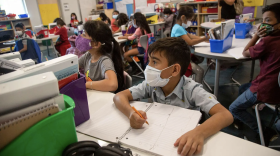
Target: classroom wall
(86,7)
(33,11)
(266,2)
(72,6)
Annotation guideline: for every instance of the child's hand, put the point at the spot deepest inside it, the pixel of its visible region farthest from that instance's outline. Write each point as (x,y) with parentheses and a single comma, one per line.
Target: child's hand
(261,32)
(121,37)
(136,121)
(190,143)
(207,38)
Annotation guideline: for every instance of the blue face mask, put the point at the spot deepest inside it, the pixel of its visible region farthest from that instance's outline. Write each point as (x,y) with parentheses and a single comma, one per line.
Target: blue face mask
(135,26)
(115,16)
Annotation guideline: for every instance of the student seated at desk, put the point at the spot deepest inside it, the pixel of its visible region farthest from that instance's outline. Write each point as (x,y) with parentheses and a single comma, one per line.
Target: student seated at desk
(168,19)
(102,63)
(165,83)
(142,29)
(183,21)
(114,24)
(265,87)
(105,19)
(74,21)
(20,32)
(62,44)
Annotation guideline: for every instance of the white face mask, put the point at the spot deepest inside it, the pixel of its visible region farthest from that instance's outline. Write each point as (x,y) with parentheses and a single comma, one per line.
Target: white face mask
(19,33)
(189,23)
(152,77)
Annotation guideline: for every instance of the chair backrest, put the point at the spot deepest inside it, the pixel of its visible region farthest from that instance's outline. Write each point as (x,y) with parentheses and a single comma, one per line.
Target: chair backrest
(33,51)
(144,41)
(127,80)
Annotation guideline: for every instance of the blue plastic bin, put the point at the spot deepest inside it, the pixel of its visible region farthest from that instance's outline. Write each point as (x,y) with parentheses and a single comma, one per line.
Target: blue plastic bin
(23,15)
(219,46)
(241,29)
(108,5)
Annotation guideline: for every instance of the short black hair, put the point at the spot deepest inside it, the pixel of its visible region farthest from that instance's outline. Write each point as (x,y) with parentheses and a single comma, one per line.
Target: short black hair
(19,25)
(167,11)
(275,8)
(175,50)
(116,11)
(185,10)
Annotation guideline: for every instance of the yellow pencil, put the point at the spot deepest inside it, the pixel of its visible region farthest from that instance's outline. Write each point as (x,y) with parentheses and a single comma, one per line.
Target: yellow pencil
(139,114)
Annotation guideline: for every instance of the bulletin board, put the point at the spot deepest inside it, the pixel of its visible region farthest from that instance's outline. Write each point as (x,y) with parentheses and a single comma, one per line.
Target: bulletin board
(48,10)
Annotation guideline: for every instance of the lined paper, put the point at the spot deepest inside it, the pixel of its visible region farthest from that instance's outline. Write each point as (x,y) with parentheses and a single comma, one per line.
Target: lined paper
(167,124)
(109,123)
(237,53)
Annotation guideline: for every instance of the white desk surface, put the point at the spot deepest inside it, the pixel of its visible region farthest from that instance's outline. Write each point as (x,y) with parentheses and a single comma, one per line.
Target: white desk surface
(46,38)
(158,23)
(120,40)
(204,51)
(9,43)
(118,34)
(220,144)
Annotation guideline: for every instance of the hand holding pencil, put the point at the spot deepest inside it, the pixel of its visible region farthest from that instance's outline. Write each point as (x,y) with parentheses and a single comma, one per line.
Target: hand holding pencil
(137,118)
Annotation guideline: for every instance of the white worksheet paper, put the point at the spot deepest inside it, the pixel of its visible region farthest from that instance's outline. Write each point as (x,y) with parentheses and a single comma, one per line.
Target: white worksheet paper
(237,53)
(166,125)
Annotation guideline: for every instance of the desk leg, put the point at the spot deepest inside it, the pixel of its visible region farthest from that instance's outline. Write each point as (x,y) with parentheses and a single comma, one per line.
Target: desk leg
(48,49)
(161,31)
(252,70)
(217,76)
(54,49)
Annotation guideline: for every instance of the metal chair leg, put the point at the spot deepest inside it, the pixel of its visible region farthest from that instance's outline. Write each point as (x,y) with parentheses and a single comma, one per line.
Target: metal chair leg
(206,84)
(142,72)
(233,74)
(259,124)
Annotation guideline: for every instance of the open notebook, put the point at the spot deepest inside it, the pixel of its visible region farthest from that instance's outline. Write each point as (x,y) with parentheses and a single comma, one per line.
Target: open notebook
(166,124)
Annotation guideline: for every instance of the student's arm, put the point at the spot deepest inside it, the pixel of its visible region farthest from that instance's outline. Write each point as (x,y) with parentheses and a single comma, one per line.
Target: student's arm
(132,37)
(192,142)
(24,48)
(122,99)
(193,36)
(261,33)
(109,84)
(194,41)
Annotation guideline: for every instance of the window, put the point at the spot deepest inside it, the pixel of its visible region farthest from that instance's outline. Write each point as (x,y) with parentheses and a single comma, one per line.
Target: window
(13,6)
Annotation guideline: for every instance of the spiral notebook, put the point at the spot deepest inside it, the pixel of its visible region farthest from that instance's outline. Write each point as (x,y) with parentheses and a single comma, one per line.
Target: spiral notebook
(166,124)
(13,128)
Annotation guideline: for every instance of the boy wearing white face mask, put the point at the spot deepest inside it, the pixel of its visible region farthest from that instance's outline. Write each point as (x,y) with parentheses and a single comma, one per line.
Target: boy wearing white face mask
(20,32)
(165,83)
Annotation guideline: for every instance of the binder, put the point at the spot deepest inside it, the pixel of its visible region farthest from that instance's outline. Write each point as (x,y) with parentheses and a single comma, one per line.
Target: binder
(13,128)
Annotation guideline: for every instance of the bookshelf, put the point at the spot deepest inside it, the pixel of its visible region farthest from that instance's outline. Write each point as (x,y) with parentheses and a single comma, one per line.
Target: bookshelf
(199,15)
(13,22)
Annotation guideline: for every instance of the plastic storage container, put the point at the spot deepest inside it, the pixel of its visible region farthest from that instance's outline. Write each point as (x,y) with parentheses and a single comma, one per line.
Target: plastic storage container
(219,46)
(48,137)
(242,29)
(23,15)
(108,5)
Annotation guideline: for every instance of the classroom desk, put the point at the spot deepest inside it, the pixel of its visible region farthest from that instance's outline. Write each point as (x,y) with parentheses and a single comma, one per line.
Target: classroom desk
(51,37)
(205,52)
(10,43)
(120,40)
(118,34)
(161,24)
(220,144)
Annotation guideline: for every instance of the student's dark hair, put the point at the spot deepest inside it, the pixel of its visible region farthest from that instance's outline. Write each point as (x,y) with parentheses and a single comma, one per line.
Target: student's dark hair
(116,11)
(60,22)
(74,15)
(100,32)
(54,21)
(167,11)
(19,25)
(174,49)
(275,8)
(122,19)
(142,23)
(184,10)
(104,17)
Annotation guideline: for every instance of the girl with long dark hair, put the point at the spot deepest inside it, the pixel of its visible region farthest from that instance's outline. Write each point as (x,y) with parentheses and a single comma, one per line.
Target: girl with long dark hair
(102,63)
